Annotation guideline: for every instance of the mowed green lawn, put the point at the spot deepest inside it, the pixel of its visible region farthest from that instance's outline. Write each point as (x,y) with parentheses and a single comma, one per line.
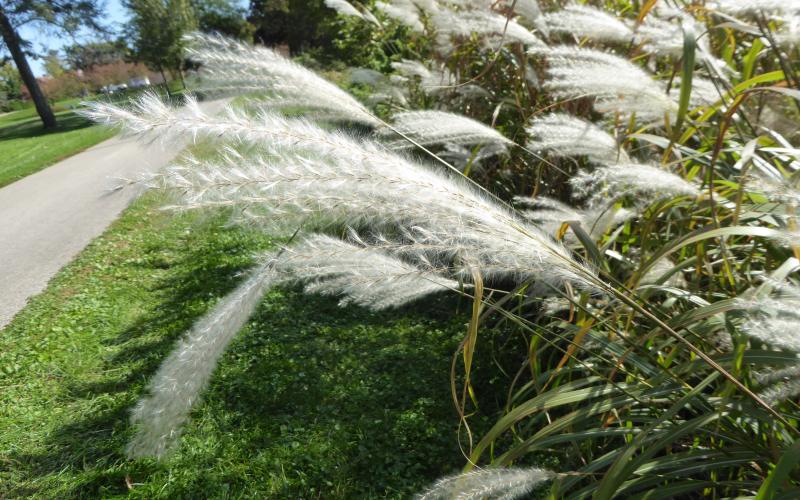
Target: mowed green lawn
(26,147)
(311,400)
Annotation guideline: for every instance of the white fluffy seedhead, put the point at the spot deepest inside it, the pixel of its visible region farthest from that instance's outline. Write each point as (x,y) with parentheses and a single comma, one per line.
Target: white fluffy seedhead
(529,9)
(584,21)
(775,187)
(506,484)
(234,68)
(779,384)
(617,85)
(704,91)
(663,35)
(326,178)
(440,127)
(434,81)
(150,118)
(775,320)
(431,80)
(403,11)
(739,7)
(616,181)
(358,274)
(140,117)
(492,27)
(344,8)
(564,135)
(789,33)
(462,156)
(182,377)
(551,214)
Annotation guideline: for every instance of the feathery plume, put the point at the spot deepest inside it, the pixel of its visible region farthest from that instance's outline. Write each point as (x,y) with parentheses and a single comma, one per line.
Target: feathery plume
(361,184)
(658,270)
(493,27)
(662,36)
(310,175)
(182,377)
(774,320)
(431,80)
(617,84)
(383,89)
(234,68)
(149,117)
(775,187)
(362,275)
(403,11)
(704,92)
(505,484)
(737,7)
(530,13)
(440,127)
(343,7)
(529,9)
(550,214)
(617,181)
(782,384)
(460,156)
(774,375)
(434,81)
(584,21)
(781,391)
(789,33)
(565,135)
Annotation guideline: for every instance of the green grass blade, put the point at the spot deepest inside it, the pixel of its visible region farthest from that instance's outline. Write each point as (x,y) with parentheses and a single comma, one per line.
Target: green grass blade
(780,474)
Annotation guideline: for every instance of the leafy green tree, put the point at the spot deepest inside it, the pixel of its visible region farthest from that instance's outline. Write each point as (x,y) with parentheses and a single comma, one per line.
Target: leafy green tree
(222,16)
(86,56)
(53,65)
(10,84)
(65,16)
(297,23)
(157,28)
(309,26)
(10,81)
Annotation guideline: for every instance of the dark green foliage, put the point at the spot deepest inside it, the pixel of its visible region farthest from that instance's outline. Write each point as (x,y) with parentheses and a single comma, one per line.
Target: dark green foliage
(84,56)
(157,28)
(222,16)
(311,28)
(10,86)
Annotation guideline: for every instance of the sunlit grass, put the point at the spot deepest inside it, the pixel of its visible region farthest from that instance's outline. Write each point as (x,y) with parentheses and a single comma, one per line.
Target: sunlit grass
(26,147)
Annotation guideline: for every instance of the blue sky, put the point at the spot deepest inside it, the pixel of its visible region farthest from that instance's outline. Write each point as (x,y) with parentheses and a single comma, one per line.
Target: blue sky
(113,15)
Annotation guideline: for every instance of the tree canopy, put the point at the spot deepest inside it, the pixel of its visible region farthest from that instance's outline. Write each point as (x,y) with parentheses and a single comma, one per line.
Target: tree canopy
(84,56)
(222,16)
(157,28)
(66,16)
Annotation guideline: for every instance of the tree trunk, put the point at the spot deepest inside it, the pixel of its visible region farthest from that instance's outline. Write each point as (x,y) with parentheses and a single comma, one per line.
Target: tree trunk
(14,45)
(166,83)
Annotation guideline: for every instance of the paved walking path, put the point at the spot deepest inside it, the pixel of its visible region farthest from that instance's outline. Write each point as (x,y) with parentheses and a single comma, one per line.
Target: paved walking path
(47,218)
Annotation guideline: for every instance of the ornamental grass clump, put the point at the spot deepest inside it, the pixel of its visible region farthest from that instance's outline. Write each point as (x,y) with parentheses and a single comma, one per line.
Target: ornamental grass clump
(628,245)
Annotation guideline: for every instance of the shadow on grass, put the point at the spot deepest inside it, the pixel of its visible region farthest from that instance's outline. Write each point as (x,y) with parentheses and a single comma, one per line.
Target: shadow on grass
(33,127)
(346,402)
